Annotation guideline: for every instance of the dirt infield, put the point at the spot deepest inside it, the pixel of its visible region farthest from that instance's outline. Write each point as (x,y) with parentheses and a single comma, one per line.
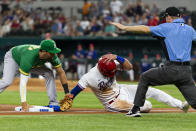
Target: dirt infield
(9,110)
(39,85)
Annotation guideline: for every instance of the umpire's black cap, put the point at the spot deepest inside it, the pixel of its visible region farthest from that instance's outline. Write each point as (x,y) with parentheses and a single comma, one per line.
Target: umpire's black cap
(172,11)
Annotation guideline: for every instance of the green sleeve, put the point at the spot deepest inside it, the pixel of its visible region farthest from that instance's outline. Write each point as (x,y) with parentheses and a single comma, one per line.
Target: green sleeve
(55,62)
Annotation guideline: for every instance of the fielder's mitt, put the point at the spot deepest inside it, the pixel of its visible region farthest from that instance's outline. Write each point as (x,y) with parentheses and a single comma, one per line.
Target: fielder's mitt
(66,103)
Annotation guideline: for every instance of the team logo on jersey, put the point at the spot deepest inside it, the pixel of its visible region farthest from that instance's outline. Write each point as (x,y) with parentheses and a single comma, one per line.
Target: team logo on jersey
(104,85)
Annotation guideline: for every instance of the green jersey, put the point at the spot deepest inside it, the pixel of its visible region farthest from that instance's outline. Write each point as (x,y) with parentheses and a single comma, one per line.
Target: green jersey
(27,57)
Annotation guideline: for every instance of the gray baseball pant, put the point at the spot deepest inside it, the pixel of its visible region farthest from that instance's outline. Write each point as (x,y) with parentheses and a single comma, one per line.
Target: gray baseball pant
(11,68)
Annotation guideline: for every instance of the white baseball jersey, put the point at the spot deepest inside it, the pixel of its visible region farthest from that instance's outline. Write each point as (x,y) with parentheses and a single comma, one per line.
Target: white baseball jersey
(120,97)
(105,88)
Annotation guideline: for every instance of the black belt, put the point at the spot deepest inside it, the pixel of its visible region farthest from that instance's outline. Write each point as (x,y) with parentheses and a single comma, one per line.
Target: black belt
(186,63)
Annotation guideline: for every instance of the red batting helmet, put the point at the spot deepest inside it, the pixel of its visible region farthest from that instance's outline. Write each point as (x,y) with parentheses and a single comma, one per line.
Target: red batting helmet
(107,68)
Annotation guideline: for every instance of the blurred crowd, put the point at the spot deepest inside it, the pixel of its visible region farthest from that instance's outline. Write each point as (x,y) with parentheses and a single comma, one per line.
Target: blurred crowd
(20,18)
(83,60)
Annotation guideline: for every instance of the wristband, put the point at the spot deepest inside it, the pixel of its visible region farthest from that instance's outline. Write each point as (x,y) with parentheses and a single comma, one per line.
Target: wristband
(120,59)
(65,87)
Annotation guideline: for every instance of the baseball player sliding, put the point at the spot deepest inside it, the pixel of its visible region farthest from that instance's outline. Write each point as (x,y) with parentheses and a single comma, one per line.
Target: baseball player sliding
(119,97)
(31,59)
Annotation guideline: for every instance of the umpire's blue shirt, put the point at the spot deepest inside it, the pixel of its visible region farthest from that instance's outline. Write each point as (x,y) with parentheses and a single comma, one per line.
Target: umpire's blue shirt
(177,38)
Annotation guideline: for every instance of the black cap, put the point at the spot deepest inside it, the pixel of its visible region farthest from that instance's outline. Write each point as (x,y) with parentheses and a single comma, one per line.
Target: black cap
(172,11)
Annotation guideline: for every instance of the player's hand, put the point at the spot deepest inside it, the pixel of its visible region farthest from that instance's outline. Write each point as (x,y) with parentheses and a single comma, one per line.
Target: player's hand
(118,25)
(70,95)
(66,102)
(25,107)
(109,57)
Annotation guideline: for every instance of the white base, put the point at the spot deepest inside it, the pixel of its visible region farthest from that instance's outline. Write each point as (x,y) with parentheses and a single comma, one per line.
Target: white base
(36,109)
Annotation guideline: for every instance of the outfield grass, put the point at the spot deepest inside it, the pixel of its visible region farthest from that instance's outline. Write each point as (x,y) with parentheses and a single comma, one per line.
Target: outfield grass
(93,122)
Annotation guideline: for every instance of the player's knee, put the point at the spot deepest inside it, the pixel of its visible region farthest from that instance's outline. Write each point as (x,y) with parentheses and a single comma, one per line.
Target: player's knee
(7,83)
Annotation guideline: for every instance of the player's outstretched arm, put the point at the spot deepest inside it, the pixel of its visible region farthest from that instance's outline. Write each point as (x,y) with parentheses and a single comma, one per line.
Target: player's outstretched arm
(23,85)
(63,79)
(66,102)
(135,29)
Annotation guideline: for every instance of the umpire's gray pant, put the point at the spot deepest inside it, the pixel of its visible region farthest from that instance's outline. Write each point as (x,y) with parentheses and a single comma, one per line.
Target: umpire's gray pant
(179,75)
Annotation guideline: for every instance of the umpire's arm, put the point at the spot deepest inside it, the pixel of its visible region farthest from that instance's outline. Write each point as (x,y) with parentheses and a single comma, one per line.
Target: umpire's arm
(136,29)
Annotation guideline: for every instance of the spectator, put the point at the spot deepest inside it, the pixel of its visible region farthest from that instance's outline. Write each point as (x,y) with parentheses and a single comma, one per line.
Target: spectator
(158,61)
(93,11)
(79,30)
(91,56)
(27,23)
(155,9)
(47,36)
(100,5)
(85,24)
(153,21)
(131,72)
(115,6)
(106,11)
(15,24)
(86,8)
(4,6)
(145,64)
(6,28)
(144,20)
(95,28)
(139,10)
(72,67)
(80,57)
(130,10)
(64,62)
(109,30)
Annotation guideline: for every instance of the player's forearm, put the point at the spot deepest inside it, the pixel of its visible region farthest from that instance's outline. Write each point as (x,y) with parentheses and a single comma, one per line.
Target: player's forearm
(62,75)
(63,79)
(76,90)
(126,65)
(23,84)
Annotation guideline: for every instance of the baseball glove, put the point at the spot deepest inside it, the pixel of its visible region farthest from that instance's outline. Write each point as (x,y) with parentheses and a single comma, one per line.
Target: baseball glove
(66,103)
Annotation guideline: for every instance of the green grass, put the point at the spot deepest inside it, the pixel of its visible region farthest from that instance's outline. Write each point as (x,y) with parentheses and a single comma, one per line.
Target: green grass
(93,122)
(100,122)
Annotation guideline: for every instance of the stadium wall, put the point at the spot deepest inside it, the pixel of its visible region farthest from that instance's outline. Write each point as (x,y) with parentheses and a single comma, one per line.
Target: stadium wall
(123,45)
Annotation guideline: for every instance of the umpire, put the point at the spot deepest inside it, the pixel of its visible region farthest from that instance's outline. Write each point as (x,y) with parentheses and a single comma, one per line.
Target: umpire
(176,40)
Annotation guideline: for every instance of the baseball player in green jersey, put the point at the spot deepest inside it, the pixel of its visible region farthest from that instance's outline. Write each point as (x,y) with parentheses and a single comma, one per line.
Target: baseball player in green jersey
(31,59)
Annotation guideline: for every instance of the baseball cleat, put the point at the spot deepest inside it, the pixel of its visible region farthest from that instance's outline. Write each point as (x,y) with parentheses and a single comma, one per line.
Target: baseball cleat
(133,114)
(185,106)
